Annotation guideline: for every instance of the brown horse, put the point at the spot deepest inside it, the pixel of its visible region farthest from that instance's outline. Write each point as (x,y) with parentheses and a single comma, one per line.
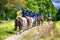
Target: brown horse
(18,22)
(41,19)
(28,21)
(38,21)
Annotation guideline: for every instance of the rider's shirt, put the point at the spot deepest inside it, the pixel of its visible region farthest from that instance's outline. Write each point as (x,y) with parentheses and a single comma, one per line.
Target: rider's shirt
(19,15)
(48,15)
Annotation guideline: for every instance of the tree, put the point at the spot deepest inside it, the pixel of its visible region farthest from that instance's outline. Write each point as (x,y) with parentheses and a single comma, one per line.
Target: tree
(7,5)
(16,3)
(32,5)
(42,6)
(58,15)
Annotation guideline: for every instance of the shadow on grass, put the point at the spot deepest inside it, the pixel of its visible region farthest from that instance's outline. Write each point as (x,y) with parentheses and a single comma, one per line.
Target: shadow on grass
(10,32)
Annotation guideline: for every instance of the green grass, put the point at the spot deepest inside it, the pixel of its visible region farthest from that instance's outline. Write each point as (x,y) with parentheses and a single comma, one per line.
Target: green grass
(6,30)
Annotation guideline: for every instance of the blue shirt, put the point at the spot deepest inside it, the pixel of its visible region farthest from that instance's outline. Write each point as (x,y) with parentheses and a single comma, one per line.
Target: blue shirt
(48,15)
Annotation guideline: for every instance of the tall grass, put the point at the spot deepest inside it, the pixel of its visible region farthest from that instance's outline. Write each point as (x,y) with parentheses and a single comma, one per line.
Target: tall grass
(55,33)
(6,30)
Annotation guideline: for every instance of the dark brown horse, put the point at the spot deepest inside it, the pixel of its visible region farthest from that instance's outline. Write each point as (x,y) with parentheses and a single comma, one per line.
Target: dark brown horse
(18,23)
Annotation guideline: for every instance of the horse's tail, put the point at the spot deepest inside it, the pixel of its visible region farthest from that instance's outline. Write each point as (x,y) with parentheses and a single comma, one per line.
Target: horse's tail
(18,22)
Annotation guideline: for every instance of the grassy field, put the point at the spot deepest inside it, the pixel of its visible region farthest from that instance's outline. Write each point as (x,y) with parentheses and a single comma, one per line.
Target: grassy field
(7,30)
(55,33)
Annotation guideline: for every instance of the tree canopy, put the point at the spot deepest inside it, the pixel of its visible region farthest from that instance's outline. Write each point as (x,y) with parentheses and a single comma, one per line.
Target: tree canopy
(9,7)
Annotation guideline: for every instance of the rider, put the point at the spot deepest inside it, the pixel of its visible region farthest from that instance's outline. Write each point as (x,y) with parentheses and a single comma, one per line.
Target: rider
(19,15)
(18,18)
(28,18)
(48,18)
(41,19)
(24,13)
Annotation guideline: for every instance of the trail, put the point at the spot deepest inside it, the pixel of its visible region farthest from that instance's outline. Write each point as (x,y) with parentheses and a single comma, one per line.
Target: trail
(34,33)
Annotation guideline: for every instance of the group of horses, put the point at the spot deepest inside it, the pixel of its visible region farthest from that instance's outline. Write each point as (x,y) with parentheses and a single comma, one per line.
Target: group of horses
(28,21)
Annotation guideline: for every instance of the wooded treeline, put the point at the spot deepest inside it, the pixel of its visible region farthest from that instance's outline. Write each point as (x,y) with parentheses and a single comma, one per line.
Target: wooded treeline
(8,8)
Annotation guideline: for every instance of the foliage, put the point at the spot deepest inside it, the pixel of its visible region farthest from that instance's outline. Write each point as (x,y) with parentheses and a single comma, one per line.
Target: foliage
(58,15)
(42,6)
(9,7)
(6,30)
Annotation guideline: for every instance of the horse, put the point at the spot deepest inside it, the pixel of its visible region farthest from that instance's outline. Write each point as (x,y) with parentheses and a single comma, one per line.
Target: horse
(38,21)
(33,22)
(27,24)
(41,19)
(18,22)
(28,21)
(24,23)
(48,20)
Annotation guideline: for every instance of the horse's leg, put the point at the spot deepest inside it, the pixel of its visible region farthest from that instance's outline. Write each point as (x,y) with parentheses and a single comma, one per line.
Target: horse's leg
(49,22)
(34,23)
(25,26)
(20,28)
(37,23)
(15,25)
(42,22)
(28,24)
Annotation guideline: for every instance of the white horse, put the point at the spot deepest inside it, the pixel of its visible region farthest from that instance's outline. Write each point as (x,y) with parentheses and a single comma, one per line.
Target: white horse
(24,23)
(33,20)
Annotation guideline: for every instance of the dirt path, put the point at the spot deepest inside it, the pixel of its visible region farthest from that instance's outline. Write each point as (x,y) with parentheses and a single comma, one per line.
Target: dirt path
(36,33)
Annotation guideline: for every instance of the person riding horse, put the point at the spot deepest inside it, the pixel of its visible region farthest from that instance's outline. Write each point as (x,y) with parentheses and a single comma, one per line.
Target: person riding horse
(28,18)
(48,18)
(38,19)
(41,19)
(18,21)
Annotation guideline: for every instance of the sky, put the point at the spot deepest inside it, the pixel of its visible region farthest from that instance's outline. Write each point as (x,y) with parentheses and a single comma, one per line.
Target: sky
(56,3)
